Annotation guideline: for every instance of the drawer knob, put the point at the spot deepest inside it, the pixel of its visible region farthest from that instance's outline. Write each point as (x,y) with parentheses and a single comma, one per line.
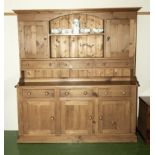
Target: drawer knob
(105,93)
(100,117)
(90,117)
(124,93)
(28,93)
(66,93)
(47,93)
(52,118)
(85,93)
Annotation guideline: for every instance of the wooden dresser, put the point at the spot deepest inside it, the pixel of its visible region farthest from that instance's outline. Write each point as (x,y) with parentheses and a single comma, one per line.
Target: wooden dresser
(77,86)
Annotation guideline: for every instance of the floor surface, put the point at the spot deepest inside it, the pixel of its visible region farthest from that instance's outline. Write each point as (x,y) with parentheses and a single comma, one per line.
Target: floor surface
(12,148)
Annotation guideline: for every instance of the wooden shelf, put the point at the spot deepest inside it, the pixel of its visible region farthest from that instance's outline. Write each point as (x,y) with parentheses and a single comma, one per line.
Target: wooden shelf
(80,34)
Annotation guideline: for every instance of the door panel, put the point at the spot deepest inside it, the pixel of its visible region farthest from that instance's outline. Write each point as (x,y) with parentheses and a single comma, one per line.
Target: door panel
(39,116)
(114,116)
(34,39)
(76,116)
(120,38)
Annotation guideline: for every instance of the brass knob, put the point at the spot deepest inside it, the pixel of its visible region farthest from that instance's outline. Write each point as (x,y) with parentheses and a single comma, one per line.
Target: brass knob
(66,93)
(85,92)
(29,93)
(52,118)
(46,93)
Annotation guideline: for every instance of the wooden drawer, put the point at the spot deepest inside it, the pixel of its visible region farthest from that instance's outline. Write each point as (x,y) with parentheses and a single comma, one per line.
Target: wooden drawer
(101,63)
(76,93)
(76,64)
(114,91)
(38,64)
(38,93)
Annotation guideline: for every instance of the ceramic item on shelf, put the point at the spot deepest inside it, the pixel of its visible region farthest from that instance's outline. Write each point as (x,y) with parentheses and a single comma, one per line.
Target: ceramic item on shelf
(56,31)
(97,30)
(76,26)
(86,30)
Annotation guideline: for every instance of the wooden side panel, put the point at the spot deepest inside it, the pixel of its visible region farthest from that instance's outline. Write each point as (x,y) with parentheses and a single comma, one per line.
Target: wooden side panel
(90,39)
(114,117)
(55,40)
(82,46)
(132,38)
(64,40)
(39,117)
(75,117)
(99,39)
(34,39)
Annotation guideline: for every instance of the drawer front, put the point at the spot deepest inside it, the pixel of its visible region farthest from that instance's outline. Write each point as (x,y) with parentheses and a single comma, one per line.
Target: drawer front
(115,91)
(38,93)
(76,93)
(76,64)
(38,64)
(101,63)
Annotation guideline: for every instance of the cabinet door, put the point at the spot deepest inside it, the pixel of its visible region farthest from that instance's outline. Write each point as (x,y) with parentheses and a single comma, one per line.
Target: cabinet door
(120,38)
(39,116)
(76,116)
(114,116)
(33,39)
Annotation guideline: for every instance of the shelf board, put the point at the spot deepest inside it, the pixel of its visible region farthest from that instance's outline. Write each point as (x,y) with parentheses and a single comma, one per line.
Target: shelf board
(80,34)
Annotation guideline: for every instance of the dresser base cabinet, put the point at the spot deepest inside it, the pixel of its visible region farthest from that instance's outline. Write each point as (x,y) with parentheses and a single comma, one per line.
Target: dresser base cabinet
(79,113)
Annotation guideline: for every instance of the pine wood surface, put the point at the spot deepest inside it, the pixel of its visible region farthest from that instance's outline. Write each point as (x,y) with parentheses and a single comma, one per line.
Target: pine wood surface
(77,87)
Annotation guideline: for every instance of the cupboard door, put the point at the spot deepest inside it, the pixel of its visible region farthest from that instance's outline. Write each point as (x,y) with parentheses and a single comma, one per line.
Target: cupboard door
(39,116)
(114,117)
(33,39)
(76,116)
(120,38)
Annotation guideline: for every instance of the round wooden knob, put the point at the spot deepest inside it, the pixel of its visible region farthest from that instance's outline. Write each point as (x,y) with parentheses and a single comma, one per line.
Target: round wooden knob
(28,93)
(85,92)
(100,117)
(52,118)
(124,93)
(66,93)
(90,117)
(105,93)
(46,93)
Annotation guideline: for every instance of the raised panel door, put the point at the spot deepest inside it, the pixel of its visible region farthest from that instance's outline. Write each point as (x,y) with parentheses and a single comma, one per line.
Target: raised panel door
(120,38)
(39,116)
(76,117)
(34,40)
(114,116)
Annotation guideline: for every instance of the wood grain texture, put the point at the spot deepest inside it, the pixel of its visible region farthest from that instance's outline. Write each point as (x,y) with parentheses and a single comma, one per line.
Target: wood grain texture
(77,88)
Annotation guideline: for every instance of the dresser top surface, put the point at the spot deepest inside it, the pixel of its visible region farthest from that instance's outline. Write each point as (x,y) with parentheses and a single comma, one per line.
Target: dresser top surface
(126,9)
